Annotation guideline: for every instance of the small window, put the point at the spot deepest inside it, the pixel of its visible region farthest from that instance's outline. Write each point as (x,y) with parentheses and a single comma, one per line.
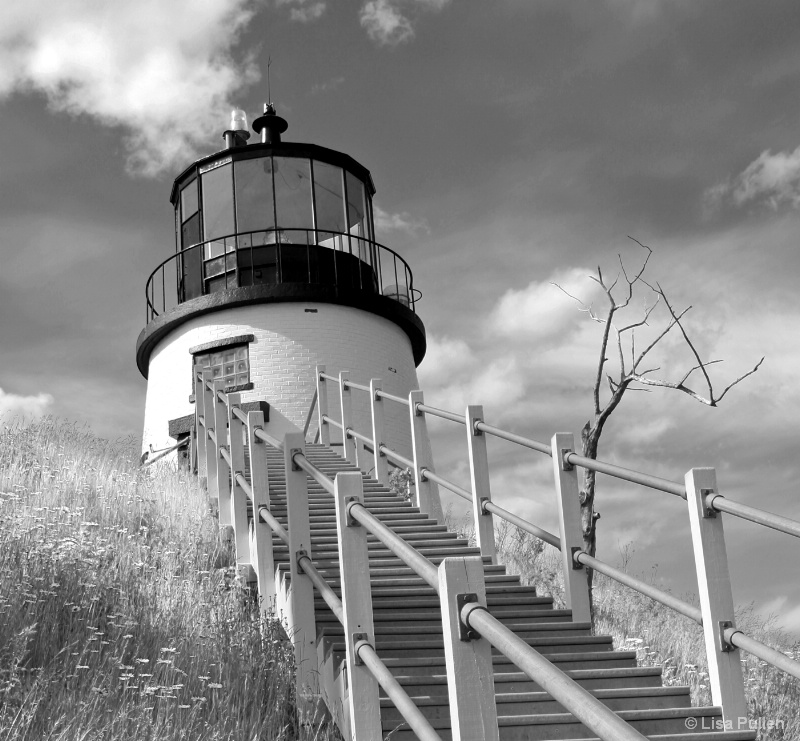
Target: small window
(229,364)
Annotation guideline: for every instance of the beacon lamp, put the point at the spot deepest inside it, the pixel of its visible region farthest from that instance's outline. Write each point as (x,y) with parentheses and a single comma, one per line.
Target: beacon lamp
(238,134)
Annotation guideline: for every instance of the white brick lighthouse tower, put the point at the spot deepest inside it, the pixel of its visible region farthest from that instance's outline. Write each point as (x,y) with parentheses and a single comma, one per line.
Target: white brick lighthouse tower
(276,270)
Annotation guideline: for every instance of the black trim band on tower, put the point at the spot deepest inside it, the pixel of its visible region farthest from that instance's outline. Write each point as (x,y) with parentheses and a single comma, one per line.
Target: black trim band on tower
(158,328)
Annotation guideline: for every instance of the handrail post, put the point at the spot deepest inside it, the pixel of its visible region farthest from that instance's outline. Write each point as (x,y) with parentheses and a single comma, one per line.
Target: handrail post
(345,397)
(468,657)
(716,599)
(261,533)
(301,590)
(202,435)
(322,407)
(479,480)
(211,450)
(236,433)
(378,432)
(364,702)
(576,579)
(223,469)
(427,493)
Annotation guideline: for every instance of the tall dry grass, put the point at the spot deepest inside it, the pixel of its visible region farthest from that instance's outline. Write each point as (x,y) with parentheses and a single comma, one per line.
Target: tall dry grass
(120,614)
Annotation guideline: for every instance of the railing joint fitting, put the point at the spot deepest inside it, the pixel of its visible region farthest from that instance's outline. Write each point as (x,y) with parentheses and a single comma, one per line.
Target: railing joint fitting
(359,638)
(482,505)
(422,472)
(475,431)
(292,453)
(574,551)
(349,502)
(300,554)
(465,633)
(724,644)
(705,496)
(565,464)
(417,412)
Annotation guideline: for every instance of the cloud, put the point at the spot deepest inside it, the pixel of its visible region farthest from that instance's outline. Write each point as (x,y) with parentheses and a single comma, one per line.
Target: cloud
(324,87)
(540,310)
(387,25)
(304,10)
(161,70)
(771,179)
(13,405)
(399,222)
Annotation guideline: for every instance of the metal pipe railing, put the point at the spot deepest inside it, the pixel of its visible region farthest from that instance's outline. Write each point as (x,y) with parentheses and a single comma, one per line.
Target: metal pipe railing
(358,436)
(524,525)
(391,397)
(329,378)
(163,453)
(273,441)
(417,722)
(326,418)
(395,457)
(354,385)
(460,418)
(321,478)
(455,488)
(511,437)
(395,544)
(684,608)
(762,651)
(752,514)
(618,472)
(582,704)
(310,414)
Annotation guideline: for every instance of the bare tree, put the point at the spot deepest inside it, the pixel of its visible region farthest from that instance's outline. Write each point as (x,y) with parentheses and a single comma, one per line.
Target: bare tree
(633,372)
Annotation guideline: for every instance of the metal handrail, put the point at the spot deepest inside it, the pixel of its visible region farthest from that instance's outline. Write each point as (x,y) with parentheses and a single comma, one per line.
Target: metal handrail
(310,414)
(737,638)
(366,247)
(426,473)
(753,514)
(329,420)
(391,397)
(163,453)
(443,413)
(566,691)
(528,527)
(395,457)
(511,437)
(353,385)
(627,474)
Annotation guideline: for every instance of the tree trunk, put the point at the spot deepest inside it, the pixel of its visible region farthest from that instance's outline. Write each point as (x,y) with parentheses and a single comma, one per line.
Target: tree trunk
(589,517)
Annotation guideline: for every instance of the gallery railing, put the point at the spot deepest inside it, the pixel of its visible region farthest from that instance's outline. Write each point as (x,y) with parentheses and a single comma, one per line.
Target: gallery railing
(280,257)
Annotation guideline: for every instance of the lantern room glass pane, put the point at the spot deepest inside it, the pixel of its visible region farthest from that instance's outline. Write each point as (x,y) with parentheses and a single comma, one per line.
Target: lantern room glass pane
(356,209)
(218,202)
(292,178)
(254,207)
(189,200)
(329,197)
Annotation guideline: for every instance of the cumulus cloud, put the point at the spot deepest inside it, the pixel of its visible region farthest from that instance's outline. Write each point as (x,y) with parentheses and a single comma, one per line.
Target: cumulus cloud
(771,179)
(161,70)
(387,21)
(304,10)
(12,405)
(541,310)
(398,222)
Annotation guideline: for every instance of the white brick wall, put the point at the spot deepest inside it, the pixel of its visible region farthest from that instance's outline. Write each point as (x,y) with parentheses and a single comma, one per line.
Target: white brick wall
(289,343)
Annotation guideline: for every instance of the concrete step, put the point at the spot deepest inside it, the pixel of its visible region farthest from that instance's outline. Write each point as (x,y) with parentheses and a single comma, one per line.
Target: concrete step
(425,666)
(402,630)
(433,646)
(561,726)
(510,681)
(540,703)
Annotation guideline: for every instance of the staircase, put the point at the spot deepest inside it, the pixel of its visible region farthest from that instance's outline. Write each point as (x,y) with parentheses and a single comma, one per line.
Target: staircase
(408,632)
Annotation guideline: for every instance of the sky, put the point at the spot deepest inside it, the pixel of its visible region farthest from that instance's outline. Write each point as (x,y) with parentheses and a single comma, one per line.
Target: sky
(514,145)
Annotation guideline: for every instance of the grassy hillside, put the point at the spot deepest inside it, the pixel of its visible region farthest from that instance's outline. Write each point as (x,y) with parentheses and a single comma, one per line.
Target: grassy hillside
(119,615)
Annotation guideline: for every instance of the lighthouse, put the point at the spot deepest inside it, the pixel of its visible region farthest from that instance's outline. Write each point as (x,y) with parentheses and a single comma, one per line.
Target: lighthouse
(276,270)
